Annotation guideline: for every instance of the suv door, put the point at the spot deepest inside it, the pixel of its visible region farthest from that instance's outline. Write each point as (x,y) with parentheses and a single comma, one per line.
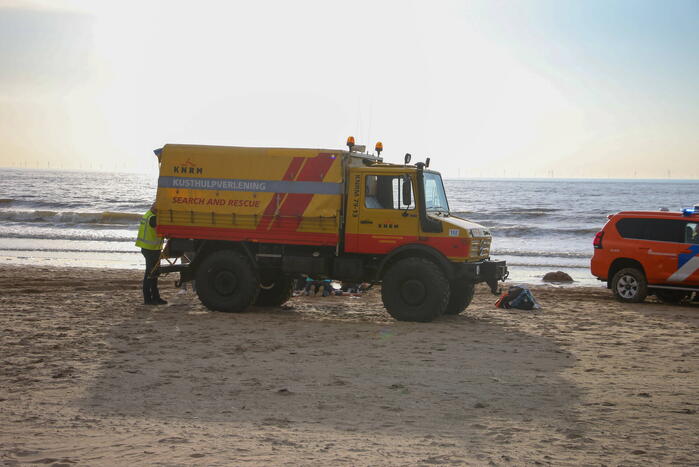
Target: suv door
(687,271)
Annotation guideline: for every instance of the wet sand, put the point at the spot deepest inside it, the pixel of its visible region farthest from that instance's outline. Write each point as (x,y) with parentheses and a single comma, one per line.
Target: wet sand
(89,376)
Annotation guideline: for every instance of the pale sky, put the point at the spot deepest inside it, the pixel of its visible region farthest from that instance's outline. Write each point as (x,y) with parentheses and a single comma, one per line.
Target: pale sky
(484,88)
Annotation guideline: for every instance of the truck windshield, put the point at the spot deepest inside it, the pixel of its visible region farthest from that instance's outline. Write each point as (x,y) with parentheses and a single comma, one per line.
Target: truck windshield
(435,198)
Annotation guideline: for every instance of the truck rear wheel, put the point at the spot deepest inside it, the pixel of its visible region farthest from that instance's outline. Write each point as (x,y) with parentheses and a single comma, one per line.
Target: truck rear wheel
(460,296)
(415,289)
(275,293)
(226,282)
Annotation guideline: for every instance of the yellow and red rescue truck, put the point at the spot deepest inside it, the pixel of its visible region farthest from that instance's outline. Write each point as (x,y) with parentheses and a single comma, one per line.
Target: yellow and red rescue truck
(255,218)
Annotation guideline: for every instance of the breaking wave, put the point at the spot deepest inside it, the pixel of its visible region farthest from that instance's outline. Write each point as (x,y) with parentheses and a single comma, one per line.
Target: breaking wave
(72,250)
(70,235)
(68,217)
(544,254)
(530,231)
(493,218)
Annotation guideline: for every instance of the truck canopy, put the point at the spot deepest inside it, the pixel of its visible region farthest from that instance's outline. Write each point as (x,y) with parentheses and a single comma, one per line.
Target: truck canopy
(272,195)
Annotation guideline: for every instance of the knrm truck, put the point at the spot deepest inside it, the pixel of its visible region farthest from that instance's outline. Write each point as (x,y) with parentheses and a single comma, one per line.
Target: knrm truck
(258,217)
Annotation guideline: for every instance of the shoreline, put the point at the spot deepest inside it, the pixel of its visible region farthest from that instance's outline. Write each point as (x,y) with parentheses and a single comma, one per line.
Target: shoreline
(526,275)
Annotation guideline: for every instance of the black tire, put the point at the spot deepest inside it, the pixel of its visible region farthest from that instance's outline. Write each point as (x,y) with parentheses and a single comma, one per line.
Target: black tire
(460,296)
(671,296)
(226,282)
(629,285)
(275,293)
(415,289)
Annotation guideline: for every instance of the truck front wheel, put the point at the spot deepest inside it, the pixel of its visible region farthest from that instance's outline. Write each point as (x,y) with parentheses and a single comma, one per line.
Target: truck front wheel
(275,293)
(415,289)
(460,296)
(226,282)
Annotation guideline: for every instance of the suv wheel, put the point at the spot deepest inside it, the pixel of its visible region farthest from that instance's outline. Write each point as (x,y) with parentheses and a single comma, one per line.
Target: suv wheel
(630,285)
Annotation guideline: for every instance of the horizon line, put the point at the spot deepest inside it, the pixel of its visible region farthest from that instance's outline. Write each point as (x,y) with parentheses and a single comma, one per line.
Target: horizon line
(494,178)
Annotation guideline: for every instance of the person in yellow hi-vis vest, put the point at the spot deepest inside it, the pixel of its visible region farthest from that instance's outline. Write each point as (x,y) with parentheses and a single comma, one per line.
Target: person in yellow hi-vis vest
(150,245)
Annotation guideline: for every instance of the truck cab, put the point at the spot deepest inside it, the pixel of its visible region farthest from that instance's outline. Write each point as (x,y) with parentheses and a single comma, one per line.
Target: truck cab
(392,206)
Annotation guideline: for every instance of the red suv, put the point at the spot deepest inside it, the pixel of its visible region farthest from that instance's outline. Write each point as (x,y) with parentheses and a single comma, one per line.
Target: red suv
(642,253)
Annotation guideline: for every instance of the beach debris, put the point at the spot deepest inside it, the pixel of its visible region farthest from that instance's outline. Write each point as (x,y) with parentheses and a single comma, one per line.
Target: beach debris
(174,440)
(557,276)
(518,296)
(63,372)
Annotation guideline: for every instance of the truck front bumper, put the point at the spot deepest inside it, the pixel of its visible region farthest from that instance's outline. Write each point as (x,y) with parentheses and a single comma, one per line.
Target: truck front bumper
(490,272)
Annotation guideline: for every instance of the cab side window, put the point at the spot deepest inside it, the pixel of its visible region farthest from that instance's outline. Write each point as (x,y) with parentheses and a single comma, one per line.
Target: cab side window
(691,233)
(385,191)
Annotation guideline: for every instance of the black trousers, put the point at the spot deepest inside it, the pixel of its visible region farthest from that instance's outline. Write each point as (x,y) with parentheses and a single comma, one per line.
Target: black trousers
(150,284)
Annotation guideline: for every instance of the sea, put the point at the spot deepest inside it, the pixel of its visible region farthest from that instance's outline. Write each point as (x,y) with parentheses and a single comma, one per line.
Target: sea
(89,219)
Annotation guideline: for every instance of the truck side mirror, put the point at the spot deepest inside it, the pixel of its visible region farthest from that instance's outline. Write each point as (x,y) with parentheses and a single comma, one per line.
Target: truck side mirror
(407,198)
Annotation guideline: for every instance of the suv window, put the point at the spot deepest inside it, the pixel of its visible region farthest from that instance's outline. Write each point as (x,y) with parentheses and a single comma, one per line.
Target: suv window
(661,230)
(691,233)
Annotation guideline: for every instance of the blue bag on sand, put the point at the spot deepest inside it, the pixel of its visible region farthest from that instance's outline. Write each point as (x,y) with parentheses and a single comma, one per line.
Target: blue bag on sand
(519,297)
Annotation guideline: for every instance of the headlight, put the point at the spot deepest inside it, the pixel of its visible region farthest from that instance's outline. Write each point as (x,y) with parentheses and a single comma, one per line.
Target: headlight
(479,232)
(480,247)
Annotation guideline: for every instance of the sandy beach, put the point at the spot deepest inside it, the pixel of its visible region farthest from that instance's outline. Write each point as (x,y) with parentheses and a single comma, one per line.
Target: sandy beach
(88,376)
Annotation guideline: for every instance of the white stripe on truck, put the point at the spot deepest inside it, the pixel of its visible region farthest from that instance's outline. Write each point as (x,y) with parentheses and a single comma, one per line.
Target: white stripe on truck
(269,186)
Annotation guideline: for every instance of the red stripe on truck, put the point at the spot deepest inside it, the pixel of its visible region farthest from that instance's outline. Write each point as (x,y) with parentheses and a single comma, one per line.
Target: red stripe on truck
(451,247)
(248,235)
(295,204)
(375,244)
(270,210)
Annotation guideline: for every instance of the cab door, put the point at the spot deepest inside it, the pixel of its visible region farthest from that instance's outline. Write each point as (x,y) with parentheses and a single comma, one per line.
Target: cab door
(380,218)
